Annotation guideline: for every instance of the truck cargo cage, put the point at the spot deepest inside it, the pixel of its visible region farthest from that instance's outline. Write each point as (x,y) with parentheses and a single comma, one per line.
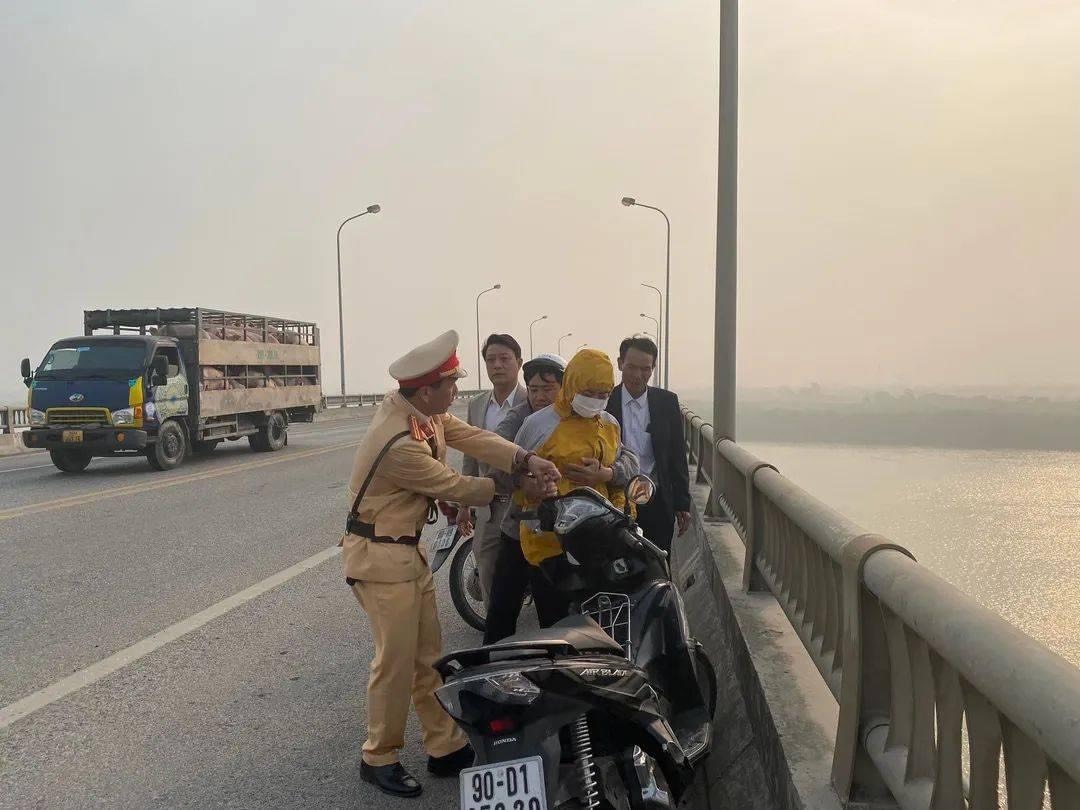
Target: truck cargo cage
(204,323)
(235,361)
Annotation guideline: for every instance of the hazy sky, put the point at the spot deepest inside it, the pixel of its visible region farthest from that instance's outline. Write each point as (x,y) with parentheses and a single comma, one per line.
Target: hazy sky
(910,177)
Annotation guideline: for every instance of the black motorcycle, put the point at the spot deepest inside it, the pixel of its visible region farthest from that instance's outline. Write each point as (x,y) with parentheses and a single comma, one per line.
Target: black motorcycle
(581,714)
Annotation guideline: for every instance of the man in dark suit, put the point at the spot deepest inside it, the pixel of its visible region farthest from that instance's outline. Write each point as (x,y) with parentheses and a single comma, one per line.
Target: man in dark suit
(652,427)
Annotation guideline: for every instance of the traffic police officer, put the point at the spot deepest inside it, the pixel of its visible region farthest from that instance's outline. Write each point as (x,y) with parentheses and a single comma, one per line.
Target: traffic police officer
(399,471)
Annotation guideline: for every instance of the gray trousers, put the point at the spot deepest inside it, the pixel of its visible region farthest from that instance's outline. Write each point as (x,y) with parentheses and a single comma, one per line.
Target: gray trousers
(486,543)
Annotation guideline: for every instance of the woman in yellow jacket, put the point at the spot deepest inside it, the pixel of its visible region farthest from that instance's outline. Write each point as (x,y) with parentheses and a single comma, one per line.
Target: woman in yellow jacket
(582,439)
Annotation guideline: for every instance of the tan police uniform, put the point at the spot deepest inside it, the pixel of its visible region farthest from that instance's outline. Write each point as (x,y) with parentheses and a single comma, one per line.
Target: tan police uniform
(383,563)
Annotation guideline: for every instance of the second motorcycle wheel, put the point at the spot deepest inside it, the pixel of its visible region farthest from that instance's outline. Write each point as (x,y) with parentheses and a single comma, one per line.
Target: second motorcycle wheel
(465,587)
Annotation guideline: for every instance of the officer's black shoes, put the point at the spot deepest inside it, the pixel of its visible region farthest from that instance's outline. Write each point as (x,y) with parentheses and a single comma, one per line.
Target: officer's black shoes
(451,764)
(391,779)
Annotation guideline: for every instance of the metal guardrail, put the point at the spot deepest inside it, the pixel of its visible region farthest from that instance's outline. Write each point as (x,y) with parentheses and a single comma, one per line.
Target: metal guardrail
(359,400)
(350,400)
(13,417)
(17,417)
(936,693)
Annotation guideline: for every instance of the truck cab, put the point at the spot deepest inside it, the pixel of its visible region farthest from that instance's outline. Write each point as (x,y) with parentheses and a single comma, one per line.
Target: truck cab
(103,395)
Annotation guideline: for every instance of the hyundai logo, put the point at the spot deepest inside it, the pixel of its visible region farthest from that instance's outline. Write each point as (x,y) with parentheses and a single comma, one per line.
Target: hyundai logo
(76,398)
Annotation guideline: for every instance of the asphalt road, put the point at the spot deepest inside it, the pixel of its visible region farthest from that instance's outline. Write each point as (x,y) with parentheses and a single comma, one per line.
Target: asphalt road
(260,706)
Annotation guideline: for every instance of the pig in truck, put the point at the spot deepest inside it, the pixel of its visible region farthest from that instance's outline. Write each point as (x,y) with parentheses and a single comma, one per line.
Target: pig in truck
(166,382)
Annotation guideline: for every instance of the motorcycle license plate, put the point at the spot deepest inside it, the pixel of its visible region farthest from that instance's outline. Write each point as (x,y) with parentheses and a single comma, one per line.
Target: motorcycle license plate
(75,436)
(514,785)
(444,538)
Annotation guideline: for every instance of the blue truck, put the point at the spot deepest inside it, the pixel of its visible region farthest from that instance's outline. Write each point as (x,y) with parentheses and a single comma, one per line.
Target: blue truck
(166,382)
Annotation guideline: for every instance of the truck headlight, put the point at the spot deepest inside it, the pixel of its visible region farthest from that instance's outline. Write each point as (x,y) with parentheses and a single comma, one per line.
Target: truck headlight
(125,416)
(37,418)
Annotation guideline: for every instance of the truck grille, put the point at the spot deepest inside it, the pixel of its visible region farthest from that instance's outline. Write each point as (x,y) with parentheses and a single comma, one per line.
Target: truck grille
(76,416)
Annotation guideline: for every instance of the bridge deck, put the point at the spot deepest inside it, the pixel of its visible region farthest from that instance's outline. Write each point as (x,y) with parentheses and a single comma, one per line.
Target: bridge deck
(263,706)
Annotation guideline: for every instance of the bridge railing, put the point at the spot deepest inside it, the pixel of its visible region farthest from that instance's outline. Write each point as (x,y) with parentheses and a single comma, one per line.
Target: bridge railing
(359,400)
(12,418)
(936,693)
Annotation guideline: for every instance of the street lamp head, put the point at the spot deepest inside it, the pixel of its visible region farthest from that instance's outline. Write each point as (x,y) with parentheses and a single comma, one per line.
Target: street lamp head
(543,317)
(374,209)
(643,315)
(497,287)
(628,201)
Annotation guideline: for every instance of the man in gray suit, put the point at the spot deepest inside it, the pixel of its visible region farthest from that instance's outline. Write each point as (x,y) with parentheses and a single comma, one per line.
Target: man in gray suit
(502,356)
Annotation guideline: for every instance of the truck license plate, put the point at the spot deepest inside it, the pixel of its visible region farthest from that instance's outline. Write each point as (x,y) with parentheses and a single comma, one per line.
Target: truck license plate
(514,785)
(73,436)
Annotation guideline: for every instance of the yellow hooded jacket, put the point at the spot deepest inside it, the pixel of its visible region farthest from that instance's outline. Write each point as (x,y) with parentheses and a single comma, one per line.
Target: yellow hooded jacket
(563,437)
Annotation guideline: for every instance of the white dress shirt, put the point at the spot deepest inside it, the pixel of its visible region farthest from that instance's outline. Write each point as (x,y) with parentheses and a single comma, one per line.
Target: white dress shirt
(495,412)
(635,433)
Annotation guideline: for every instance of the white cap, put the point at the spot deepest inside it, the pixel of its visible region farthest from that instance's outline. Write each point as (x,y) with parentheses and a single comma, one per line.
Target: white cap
(430,363)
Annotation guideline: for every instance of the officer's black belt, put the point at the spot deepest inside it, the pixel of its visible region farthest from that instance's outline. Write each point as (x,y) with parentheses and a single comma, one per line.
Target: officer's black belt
(367,530)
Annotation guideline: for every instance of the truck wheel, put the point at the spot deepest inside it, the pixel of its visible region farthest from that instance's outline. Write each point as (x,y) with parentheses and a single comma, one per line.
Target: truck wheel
(271,436)
(169,449)
(204,448)
(70,461)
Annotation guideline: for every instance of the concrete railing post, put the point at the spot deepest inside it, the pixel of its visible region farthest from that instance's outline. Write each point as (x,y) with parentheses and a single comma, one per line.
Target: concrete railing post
(866,684)
(703,453)
(712,504)
(693,445)
(7,424)
(754,530)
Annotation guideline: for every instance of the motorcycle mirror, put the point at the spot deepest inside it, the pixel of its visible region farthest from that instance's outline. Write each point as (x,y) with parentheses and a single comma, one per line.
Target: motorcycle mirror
(640,490)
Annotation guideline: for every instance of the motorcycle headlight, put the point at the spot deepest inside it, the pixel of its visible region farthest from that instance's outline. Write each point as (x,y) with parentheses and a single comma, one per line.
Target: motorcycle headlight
(572,511)
(37,418)
(124,416)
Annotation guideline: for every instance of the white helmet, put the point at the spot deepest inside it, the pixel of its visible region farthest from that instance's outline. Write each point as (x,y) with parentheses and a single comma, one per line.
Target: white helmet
(545,362)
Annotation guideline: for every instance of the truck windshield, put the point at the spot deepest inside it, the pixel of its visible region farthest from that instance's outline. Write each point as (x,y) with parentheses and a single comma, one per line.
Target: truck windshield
(120,359)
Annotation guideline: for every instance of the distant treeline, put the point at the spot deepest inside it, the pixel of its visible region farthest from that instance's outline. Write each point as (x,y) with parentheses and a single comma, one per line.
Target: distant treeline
(932,420)
(959,429)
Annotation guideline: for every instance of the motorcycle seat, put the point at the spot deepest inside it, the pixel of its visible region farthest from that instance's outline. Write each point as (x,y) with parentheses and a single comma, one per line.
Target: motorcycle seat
(574,635)
(580,633)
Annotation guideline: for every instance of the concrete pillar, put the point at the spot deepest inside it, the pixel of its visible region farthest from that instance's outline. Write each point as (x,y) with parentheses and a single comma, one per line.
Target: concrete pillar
(726,224)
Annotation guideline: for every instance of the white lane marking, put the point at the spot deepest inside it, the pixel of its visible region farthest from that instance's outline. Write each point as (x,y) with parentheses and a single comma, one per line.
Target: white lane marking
(106,666)
(20,469)
(337,428)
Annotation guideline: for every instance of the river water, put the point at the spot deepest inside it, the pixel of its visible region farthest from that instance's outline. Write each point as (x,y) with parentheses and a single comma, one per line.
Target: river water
(1003,526)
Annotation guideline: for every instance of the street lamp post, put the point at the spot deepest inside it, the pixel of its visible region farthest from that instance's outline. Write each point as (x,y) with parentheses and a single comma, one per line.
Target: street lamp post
(371,209)
(630,201)
(531,325)
(564,337)
(656,371)
(651,318)
(479,367)
(659,333)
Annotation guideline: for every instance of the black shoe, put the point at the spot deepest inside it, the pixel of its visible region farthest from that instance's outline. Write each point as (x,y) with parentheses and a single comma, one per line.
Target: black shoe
(391,779)
(451,764)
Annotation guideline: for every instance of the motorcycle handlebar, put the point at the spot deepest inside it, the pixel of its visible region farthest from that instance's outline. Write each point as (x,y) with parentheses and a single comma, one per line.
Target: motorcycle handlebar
(641,540)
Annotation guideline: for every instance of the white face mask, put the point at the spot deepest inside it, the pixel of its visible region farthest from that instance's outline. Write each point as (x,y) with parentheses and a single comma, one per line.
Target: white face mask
(588,406)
